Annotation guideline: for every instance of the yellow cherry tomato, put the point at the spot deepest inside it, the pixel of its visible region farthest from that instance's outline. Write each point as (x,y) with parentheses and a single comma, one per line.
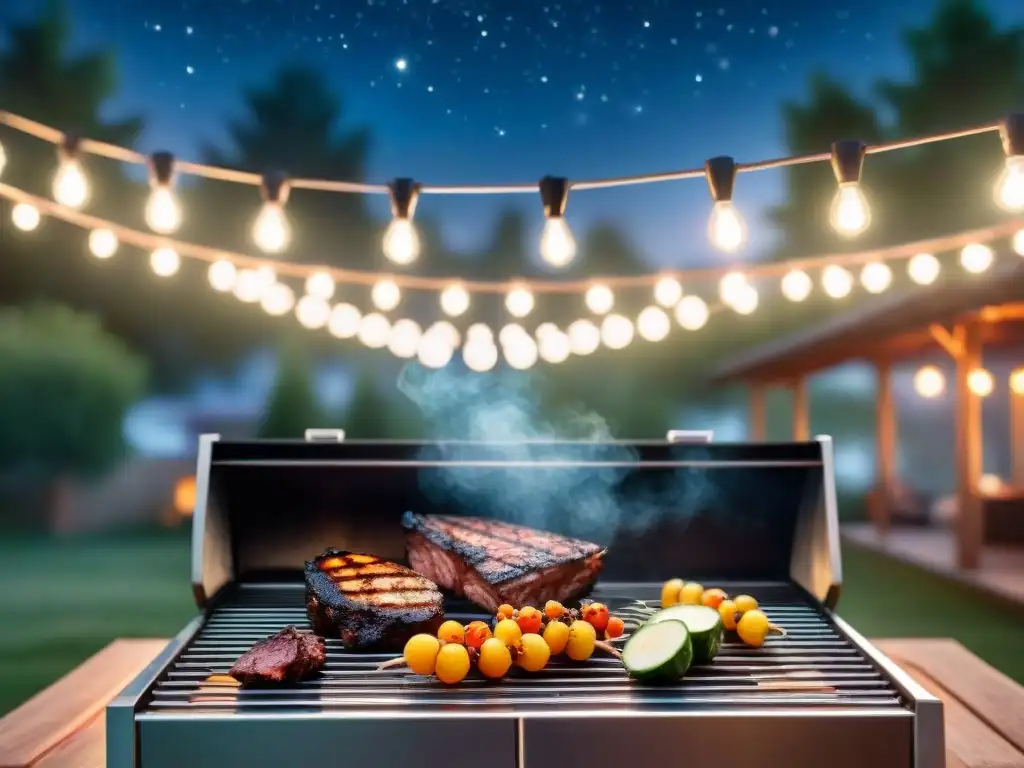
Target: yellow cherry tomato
(691,593)
(505,611)
(712,598)
(529,619)
(420,653)
(727,610)
(452,663)
(533,653)
(615,628)
(495,658)
(556,635)
(553,609)
(582,637)
(745,603)
(753,628)
(452,632)
(508,631)
(670,592)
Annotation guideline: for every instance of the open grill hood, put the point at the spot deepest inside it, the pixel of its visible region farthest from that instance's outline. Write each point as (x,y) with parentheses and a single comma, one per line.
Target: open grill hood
(756,518)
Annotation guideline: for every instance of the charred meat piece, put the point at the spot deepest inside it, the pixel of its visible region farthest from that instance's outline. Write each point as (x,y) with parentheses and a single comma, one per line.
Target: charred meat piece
(368,602)
(286,657)
(491,562)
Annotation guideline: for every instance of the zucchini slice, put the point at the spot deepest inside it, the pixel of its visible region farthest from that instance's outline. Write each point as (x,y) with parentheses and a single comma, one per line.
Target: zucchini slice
(705,625)
(659,652)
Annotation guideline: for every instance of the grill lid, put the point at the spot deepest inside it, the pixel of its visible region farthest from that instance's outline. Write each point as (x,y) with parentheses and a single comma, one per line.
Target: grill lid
(738,511)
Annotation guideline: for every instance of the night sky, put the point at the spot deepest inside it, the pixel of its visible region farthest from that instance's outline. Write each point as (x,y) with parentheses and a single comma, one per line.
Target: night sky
(488,91)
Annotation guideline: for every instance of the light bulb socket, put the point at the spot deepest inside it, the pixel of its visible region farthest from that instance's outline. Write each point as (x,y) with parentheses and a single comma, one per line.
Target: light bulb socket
(1011,130)
(721,175)
(275,187)
(848,160)
(161,169)
(404,194)
(554,194)
(69,148)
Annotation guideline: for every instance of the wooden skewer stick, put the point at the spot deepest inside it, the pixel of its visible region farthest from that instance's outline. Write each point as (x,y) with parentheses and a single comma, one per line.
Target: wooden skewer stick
(608,648)
(392,664)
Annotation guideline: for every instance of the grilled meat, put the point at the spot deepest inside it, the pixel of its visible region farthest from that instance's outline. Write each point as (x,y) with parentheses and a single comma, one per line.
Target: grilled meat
(288,656)
(368,602)
(491,562)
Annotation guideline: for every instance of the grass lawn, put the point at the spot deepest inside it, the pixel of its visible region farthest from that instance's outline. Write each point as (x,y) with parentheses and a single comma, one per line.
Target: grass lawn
(61,601)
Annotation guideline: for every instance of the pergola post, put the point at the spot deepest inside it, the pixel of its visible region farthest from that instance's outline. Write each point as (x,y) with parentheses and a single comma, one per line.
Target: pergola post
(970,515)
(757,428)
(885,448)
(801,411)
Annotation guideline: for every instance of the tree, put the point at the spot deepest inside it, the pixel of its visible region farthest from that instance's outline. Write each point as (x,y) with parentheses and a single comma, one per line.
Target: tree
(293,406)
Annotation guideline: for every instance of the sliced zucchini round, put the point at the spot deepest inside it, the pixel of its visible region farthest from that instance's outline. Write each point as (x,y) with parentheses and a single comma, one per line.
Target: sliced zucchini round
(705,625)
(659,652)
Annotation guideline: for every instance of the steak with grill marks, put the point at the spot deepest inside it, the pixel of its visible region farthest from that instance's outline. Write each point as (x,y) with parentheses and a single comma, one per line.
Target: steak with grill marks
(492,562)
(288,656)
(369,603)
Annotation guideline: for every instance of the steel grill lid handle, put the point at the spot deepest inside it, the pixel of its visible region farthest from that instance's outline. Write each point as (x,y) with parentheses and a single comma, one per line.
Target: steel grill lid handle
(325,435)
(690,435)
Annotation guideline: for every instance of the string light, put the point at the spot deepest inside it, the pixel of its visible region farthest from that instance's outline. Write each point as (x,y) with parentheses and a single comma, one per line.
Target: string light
(454,300)
(746,300)
(405,338)
(668,292)
(3,158)
(555,347)
(102,243)
(557,244)
(929,382)
(692,313)
(25,217)
(434,351)
(731,286)
(385,295)
(599,299)
(584,337)
(1017,382)
(70,186)
(344,321)
(923,269)
(796,285)
(401,240)
(165,262)
(876,276)
(271,231)
(163,213)
(519,301)
(849,214)
(374,330)
(278,300)
(222,275)
(480,354)
(653,324)
(311,312)
(616,331)
(726,229)
(1010,186)
(544,329)
(250,286)
(321,285)
(521,351)
(980,382)
(836,282)
(1018,242)
(479,332)
(446,331)
(976,258)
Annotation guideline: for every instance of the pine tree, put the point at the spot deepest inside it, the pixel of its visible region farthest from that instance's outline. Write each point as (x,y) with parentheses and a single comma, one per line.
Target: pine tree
(292,407)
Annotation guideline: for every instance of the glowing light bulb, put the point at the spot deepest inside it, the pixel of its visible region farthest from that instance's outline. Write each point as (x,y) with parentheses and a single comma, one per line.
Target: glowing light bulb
(668,292)
(544,329)
(311,312)
(374,330)
(616,332)
(3,158)
(405,338)
(746,300)
(102,243)
(519,301)
(344,321)
(70,187)
(250,286)
(454,300)
(599,299)
(401,242)
(165,261)
(850,213)
(557,245)
(584,337)
(731,286)
(726,228)
(692,313)
(434,351)
(976,258)
(555,347)
(278,300)
(796,285)
(445,330)
(1017,382)
(521,353)
(980,382)
(222,276)
(1018,242)
(479,332)
(510,332)
(929,382)
(25,217)
(876,277)
(385,295)
(163,213)
(836,281)
(480,355)
(653,324)
(1010,186)
(924,269)
(271,231)
(321,285)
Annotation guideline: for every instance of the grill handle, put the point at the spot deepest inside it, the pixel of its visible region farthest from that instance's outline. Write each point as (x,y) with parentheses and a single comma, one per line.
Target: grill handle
(325,435)
(690,436)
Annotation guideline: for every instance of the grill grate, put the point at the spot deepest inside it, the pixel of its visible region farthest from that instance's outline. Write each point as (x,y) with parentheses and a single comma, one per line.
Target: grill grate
(813,666)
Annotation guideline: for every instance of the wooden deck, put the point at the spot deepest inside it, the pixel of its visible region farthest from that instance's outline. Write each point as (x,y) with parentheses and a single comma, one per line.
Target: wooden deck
(1000,572)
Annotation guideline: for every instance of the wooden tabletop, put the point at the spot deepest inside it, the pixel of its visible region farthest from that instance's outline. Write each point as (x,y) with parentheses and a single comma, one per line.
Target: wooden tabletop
(63,726)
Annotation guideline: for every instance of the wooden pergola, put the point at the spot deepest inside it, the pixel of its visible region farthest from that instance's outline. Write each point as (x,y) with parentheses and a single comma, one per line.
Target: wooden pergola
(960,319)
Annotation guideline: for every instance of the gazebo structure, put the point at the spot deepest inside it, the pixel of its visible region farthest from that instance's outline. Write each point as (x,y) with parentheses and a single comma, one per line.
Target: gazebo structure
(961,319)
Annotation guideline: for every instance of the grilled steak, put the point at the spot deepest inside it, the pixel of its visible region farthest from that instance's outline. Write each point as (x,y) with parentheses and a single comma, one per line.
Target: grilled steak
(491,562)
(288,656)
(368,602)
